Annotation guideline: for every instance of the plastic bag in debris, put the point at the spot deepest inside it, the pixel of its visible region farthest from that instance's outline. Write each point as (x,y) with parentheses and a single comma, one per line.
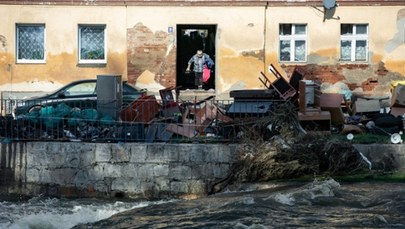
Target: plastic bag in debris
(75,118)
(33,117)
(106,120)
(90,115)
(54,116)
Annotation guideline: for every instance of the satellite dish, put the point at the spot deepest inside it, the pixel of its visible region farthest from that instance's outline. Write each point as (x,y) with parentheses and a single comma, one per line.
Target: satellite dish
(396,138)
(329,4)
(350,137)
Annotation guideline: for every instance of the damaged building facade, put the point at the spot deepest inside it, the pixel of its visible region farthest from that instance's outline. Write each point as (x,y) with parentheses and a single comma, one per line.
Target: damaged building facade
(46,44)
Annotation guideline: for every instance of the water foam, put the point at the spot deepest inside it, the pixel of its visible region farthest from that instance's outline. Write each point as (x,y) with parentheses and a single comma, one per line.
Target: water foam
(307,193)
(60,214)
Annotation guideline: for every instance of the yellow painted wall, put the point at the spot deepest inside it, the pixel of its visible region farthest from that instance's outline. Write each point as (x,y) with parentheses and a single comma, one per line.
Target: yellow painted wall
(61,42)
(385,23)
(240,31)
(247,39)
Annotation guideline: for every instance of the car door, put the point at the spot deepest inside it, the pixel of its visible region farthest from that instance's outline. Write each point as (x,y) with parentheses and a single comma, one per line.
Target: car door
(81,95)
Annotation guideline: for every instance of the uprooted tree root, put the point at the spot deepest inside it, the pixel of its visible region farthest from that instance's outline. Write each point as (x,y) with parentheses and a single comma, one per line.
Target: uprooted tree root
(289,152)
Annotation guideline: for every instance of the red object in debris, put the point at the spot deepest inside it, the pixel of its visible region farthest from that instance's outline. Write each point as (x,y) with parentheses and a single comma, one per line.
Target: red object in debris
(144,109)
(206,74)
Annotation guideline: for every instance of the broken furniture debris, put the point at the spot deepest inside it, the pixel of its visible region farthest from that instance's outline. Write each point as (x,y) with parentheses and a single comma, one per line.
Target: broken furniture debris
(310,115)
(285,90)
(148,119)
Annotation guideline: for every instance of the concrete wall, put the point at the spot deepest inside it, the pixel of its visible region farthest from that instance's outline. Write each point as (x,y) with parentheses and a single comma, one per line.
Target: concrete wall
(133,170)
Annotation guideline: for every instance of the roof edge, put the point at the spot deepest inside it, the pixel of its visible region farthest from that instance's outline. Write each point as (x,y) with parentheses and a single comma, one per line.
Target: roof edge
(273,3)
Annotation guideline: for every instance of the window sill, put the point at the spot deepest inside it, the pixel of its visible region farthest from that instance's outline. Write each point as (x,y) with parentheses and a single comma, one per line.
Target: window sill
(92,65)
(348,62)
(30,62)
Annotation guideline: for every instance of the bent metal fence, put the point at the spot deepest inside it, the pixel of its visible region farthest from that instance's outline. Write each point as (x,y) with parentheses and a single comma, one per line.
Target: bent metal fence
(143,120)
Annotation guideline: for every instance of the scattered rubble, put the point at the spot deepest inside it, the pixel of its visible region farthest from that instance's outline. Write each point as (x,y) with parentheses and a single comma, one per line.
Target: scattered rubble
(313,109)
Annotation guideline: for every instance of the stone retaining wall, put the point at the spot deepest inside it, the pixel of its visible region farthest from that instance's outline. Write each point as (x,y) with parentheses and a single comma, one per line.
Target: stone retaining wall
(135,170)
(384,155)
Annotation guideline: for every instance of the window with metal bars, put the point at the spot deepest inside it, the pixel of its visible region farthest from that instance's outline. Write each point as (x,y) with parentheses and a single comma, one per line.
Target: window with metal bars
(92,44)
(30,43)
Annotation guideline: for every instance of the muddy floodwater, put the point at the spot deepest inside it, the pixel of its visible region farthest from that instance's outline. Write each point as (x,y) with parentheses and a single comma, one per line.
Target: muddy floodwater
(318,204)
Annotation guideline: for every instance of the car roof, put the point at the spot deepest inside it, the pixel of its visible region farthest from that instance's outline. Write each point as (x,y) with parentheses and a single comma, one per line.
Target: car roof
(124,82)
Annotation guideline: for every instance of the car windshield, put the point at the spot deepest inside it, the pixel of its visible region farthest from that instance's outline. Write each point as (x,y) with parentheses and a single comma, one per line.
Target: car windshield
(81,89)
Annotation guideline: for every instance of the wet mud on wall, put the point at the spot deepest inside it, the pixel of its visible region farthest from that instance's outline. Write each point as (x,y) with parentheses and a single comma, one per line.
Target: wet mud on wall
(12,170)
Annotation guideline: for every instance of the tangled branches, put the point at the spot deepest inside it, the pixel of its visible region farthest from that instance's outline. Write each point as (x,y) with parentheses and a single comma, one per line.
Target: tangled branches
(289,153)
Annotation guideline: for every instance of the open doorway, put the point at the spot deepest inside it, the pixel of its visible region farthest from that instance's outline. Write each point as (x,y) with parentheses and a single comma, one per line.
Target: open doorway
(189,39)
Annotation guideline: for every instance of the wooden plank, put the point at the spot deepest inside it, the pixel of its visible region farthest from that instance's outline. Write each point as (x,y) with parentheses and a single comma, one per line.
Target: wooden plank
(184,130)
(331,100)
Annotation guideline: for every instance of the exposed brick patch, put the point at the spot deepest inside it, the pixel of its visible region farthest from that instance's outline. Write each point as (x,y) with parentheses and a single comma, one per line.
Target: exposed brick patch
(381,70)
(323,73)
(334,73)
(369,84)
(148,51)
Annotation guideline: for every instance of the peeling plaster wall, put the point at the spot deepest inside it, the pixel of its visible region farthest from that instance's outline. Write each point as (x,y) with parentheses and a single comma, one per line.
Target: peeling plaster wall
(61,42)
(386,45)
(247,41)
(239,42)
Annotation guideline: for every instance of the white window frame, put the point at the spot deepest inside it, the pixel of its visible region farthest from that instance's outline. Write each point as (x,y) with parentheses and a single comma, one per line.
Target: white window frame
(29,61)
(91,61)
(353,38)
(293,38)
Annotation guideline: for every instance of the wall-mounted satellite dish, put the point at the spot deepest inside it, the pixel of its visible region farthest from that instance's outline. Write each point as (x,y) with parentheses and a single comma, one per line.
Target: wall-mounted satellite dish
(329,4)
(396,138)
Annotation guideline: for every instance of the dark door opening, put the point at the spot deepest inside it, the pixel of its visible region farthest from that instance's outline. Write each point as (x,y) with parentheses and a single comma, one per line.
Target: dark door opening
(190,38)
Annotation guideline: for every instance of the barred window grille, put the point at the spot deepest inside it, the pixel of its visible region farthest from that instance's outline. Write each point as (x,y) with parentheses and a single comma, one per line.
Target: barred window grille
(30,43)
(92,44)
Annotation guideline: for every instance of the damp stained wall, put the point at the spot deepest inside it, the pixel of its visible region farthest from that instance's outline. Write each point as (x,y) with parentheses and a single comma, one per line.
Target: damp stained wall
(239,44)
(385,27)
(61,43)
(142,50)
(386,41)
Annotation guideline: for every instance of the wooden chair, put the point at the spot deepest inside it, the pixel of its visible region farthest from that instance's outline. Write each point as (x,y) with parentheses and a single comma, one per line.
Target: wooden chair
(280,85)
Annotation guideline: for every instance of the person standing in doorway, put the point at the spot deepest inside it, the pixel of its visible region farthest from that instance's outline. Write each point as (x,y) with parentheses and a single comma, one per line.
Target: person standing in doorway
(199,59)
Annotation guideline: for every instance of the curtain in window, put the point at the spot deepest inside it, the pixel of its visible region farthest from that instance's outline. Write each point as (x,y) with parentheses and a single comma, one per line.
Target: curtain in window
(299,50)
(285,50)
(361,51)
(345,50)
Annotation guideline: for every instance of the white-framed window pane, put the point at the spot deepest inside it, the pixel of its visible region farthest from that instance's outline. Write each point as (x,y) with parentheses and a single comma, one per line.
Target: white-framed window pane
(346,29)
(354,39)
(361,50)
(293,42)
(300,50)
(92,43)
(30,43)
(285,50)
(285,29)
(345,50)
(300,29)
(361,29)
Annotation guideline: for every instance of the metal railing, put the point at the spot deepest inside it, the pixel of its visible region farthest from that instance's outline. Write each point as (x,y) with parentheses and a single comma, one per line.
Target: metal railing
(142,120)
